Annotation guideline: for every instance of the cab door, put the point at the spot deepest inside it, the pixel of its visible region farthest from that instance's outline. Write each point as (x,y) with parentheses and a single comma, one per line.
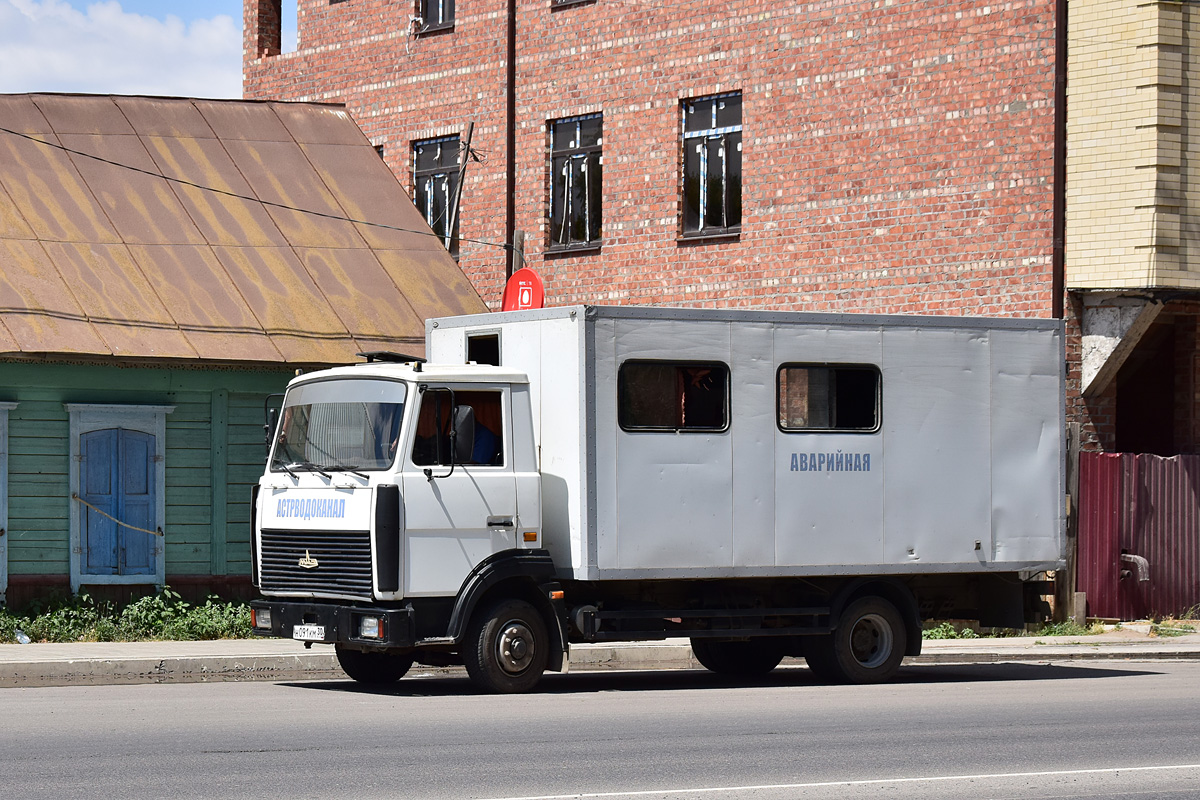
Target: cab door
(457,512)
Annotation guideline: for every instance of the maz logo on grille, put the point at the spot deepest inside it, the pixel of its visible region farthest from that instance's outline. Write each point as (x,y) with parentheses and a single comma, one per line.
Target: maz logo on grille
(308,562)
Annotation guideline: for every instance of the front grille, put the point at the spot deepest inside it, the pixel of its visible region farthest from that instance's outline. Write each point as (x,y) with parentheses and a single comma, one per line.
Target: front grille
(343,562)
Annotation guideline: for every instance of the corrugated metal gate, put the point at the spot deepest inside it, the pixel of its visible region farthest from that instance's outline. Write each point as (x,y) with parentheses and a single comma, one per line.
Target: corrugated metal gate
(1139,534)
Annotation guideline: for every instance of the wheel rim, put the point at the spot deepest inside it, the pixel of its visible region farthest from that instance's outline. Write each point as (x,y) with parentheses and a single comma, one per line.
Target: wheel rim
(871,641)
(515,647)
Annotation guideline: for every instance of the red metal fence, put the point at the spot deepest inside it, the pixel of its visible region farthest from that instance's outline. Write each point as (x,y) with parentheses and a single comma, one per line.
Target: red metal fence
(1134,507)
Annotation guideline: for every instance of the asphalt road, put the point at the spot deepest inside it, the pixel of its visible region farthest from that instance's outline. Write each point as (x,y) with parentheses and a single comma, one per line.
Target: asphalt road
(1006,731)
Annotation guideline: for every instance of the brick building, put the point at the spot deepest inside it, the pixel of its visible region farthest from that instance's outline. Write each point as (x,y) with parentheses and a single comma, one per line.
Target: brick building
(886,158)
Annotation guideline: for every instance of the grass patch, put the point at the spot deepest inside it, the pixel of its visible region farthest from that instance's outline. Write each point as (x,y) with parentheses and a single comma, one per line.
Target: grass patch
(1169,628)
(165,615)
(1070,629)
(948,630)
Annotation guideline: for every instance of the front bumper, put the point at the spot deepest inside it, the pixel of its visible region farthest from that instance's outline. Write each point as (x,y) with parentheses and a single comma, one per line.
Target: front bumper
(341,623)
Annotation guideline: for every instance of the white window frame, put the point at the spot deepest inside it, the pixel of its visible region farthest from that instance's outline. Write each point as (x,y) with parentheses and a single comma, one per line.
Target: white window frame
(88,417)
(4,534)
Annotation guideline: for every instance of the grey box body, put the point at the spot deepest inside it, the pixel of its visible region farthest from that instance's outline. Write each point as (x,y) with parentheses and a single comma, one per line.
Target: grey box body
(965,473)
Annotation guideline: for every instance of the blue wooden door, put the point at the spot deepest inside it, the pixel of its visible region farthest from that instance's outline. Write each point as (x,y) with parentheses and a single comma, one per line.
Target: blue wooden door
(117,477)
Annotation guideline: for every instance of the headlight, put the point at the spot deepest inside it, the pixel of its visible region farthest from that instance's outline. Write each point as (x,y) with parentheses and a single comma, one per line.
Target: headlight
(260,617)
(370,627)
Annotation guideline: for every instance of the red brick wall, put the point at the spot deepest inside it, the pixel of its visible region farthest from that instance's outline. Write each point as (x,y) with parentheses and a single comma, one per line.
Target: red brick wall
(896,158)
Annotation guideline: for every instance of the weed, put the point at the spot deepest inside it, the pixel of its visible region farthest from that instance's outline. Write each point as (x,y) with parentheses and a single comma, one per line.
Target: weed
(947,630)
(162,616)
(1169,628)
(1071,629)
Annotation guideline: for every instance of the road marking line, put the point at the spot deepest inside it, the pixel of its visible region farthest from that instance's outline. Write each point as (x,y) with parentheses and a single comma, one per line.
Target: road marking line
(873,782)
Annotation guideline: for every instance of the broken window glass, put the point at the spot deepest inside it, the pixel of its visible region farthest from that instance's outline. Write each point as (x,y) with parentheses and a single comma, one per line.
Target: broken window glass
(435,182)
(712,164)
(436,14)
(576,165)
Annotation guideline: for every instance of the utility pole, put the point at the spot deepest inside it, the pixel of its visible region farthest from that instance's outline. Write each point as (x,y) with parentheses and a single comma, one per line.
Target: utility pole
(464,154)
(518,252)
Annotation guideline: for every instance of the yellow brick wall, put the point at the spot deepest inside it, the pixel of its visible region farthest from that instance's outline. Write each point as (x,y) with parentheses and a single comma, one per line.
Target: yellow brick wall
(1133,204)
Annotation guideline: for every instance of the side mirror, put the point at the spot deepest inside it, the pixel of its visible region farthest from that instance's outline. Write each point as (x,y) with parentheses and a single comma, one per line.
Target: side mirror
(270,420)
(269,427)
(464,434)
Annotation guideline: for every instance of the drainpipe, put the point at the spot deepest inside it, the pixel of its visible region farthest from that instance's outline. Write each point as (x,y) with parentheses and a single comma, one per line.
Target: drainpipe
(1058,256)
(510,142)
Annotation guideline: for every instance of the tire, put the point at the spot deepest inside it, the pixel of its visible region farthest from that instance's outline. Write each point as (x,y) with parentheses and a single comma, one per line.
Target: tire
(818,654)
(374,668)
(506,648)
(866,647)
(742,659)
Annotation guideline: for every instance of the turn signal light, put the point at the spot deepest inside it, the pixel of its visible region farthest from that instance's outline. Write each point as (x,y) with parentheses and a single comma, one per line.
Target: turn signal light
(531,536)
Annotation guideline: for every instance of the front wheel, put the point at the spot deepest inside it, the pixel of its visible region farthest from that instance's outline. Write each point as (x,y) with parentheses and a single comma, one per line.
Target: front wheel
(373,667)
(866,647)
(507,648)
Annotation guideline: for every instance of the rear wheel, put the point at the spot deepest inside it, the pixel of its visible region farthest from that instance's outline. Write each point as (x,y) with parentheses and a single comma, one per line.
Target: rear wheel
(866,647)
(507,647)
(373,667)
(742,658)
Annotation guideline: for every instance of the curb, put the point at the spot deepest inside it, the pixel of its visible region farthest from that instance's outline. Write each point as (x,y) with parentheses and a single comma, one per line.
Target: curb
(584,658)
(308,666)
(195,669)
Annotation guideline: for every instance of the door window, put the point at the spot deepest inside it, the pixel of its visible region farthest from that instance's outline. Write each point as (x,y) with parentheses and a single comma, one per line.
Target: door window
(431,447)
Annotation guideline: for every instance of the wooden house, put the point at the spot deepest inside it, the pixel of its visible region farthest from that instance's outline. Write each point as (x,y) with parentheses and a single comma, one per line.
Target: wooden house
(165,265)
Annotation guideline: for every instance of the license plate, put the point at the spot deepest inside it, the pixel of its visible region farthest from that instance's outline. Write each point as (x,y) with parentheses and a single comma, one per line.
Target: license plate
(309,633)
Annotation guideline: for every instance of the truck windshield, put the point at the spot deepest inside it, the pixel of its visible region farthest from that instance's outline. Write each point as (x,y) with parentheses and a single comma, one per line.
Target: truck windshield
(339,424)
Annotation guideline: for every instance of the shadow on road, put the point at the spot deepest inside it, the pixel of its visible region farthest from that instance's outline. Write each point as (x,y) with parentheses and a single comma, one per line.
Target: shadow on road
(417,685)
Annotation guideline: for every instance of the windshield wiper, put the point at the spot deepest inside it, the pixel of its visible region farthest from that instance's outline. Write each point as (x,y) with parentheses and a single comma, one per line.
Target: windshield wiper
(344,468)
(308,465)
(287,469)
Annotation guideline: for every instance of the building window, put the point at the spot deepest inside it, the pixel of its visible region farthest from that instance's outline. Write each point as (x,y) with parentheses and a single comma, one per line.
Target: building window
(561,3)
(575,181)
(712,165)
(679,396)
(435,15)
(435,183)
(820,397)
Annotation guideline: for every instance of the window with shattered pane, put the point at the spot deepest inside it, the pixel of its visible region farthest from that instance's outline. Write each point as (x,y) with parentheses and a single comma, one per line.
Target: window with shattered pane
(712,165)
(576,167)
(435,184)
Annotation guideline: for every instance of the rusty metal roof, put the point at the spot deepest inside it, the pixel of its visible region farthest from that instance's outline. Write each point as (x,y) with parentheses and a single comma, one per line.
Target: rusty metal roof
(218,230)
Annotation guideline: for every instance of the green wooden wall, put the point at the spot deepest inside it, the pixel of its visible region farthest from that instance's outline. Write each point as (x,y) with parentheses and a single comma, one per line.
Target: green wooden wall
(214,453)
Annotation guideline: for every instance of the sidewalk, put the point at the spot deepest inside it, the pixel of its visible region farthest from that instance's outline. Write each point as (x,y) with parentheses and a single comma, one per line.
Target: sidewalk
(94,663)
